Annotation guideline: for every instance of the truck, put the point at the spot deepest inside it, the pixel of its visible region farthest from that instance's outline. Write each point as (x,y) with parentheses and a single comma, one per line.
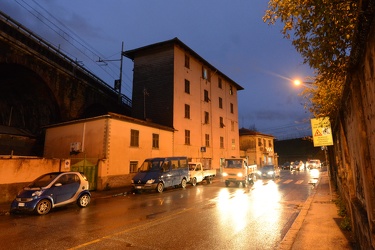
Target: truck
(198,174)
(236,170)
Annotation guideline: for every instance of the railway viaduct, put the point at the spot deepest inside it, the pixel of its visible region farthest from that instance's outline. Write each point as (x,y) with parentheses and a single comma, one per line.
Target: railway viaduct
(40,86)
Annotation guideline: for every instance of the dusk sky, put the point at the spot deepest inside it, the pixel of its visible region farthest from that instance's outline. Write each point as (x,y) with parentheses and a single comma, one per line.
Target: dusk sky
(230,35)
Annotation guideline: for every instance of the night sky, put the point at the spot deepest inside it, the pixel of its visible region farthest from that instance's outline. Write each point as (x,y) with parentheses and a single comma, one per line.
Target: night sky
(230,35)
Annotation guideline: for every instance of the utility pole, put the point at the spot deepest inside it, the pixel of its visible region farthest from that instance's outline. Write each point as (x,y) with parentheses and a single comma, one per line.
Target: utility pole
(118,82)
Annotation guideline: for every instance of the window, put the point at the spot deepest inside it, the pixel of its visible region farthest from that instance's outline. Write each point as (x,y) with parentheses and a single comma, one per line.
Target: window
(187,137)
(232,125)
(134,138)
(206,117)
(220,83)
(133,166)
(260,142)
(155,140)
(233,143)
(269,143)
(220,102)
(206,74)
(222,122)
(221,142)
(206,98)
(231,108)
(187,86)
(187,111)
(187,61)
(231,90)
(207,140)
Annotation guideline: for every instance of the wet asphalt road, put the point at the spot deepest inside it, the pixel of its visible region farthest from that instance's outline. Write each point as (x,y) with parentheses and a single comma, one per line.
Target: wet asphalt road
(200,217)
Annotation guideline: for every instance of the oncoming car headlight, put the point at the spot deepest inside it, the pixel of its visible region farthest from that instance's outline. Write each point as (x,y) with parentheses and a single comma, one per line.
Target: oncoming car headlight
(270,172)
(239,174)
(259,172)
(150,181)
(225,174)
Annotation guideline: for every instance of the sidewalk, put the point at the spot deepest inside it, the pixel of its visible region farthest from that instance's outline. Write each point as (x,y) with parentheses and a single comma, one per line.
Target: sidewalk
(318,224)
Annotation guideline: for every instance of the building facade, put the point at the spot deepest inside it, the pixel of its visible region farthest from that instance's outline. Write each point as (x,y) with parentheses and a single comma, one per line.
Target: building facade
(175,87)
(257,147)
(113,145)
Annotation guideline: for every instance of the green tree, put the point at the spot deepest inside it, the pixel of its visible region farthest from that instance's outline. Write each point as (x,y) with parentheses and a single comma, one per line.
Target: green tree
(322,32)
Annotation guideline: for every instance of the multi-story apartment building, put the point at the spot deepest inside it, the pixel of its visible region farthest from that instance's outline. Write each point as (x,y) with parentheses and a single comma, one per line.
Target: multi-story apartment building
(175,87)
(257,147)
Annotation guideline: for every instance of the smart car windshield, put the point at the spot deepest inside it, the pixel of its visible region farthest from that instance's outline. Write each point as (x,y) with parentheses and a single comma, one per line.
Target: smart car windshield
(43,180)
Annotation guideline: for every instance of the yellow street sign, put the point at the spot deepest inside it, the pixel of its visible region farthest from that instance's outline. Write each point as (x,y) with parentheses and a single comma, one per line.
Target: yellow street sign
(321,132)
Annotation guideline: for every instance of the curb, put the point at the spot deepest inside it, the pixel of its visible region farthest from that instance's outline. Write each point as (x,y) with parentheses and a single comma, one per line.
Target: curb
(289,238)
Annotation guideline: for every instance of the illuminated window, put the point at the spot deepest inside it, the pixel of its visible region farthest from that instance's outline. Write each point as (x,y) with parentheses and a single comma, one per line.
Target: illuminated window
(233,143)
(206,74)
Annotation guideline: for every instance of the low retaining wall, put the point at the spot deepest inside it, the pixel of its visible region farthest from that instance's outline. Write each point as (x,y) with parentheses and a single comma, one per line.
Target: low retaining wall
(15,173)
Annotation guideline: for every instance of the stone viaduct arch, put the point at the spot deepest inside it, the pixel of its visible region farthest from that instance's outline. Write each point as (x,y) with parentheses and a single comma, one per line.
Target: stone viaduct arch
(40,86)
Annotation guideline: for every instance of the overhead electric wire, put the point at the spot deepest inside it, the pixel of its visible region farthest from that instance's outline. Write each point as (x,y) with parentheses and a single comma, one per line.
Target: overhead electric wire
(81,42)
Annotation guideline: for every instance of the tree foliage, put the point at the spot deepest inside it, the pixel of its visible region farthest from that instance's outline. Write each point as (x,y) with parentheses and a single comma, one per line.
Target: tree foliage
(322,32)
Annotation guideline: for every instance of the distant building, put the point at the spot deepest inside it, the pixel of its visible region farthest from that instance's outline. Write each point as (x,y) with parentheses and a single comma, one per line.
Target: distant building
(257,147)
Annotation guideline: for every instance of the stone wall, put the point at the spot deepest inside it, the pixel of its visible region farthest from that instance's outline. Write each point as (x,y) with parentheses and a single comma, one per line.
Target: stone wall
(353,154)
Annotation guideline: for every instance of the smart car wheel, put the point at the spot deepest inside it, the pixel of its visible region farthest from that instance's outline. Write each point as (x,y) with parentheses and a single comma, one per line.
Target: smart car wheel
(160,187)
(183,183)
(194,181)
(84,200)
(43,207)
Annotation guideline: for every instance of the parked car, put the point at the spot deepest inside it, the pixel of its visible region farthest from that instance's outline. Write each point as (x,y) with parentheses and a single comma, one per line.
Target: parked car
(269,171)
(161,172)
(53,190)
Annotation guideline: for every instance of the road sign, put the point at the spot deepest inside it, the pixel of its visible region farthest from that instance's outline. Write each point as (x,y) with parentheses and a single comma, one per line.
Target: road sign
(321,131)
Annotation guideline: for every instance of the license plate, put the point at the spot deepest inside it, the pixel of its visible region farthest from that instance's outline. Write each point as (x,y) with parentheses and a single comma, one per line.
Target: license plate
(21,204)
